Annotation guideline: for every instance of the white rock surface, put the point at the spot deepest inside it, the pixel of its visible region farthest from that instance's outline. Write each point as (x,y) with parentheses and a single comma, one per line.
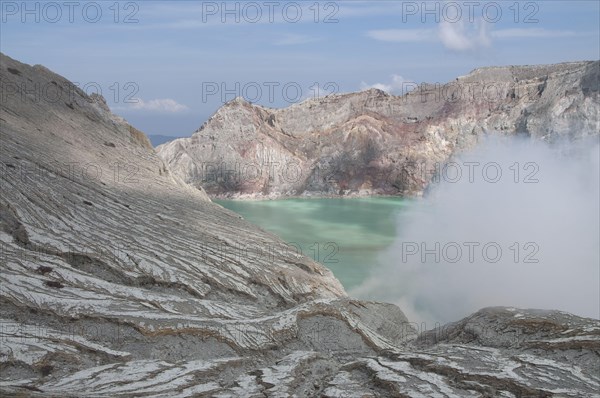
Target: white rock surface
(374,143)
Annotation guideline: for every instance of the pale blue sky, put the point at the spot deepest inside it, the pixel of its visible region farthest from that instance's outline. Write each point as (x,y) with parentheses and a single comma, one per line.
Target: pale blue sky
(175,57)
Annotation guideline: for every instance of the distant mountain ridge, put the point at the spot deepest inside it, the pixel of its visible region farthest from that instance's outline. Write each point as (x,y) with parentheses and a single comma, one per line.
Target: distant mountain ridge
(371,142)
(158,139)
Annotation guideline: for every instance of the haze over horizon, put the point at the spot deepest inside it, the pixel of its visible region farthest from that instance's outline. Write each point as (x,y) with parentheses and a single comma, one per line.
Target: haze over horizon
(166,67)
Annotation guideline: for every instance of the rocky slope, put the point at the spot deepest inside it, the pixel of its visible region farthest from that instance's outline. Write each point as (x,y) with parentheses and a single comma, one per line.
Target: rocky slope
(118,280)
(374,143)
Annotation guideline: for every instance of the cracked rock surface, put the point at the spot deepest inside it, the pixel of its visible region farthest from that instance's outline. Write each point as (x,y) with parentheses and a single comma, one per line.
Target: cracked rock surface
(118,279)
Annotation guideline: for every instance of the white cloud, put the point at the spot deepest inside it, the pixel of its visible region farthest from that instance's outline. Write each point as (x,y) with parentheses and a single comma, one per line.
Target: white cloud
(531,32)
(465,37)
(454,36)
(165,105)
(402,35)
(398,85)
(461,37)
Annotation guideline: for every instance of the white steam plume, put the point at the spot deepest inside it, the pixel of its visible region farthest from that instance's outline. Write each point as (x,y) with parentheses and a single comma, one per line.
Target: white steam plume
(554,221)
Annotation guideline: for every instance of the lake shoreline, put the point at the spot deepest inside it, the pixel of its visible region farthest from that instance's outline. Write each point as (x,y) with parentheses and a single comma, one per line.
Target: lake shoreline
(263,198)
(346,234)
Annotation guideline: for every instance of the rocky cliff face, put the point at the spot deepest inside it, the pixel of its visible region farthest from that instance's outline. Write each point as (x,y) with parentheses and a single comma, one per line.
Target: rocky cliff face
(374,143)
(118,280)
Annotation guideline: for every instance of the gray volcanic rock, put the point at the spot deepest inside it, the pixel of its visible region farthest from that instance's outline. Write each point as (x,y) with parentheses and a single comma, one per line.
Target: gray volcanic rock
(374,143)
(119,280)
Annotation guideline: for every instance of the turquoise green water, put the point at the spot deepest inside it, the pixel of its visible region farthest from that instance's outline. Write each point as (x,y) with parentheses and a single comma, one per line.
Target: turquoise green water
(345,235)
